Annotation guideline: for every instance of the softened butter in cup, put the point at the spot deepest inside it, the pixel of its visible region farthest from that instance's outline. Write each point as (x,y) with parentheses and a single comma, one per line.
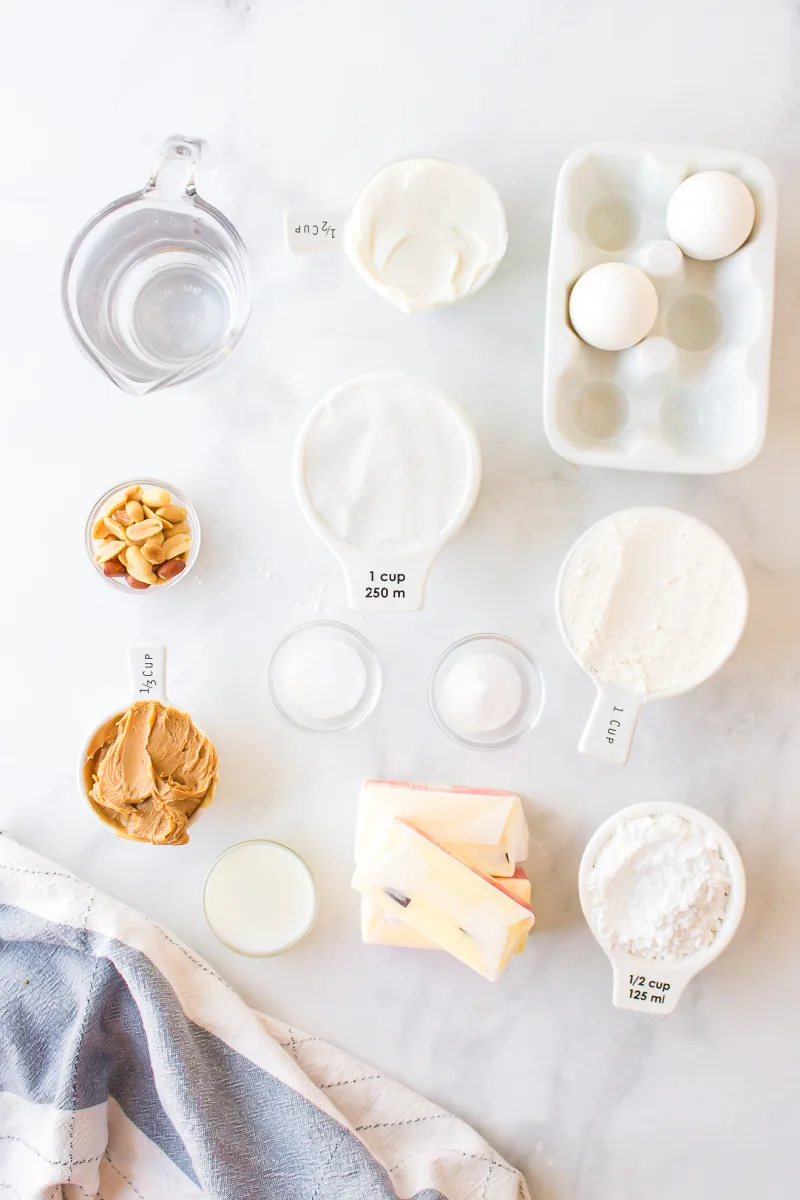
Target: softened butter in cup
(323,679)
(652,600)
(480,693)
(424,232)
(259,898)
(387,463)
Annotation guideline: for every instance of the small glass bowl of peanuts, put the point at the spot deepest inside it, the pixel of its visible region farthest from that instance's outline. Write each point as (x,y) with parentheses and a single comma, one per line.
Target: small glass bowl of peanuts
(143,536)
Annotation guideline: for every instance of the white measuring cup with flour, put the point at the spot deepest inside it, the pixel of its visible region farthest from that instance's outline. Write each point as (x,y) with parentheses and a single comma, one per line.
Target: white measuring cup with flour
(655,985)
(386,470)
(650,602)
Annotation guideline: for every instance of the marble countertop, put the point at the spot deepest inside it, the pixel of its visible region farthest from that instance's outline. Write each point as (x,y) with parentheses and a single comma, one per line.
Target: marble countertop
(299,102)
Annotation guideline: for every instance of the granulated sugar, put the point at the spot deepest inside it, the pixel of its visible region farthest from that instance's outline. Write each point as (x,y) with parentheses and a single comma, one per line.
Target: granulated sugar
(387,463)
(659,888)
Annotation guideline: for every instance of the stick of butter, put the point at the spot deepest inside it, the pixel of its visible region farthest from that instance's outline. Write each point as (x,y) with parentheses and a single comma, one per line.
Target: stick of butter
(487,828)
(380,928)
(450,902)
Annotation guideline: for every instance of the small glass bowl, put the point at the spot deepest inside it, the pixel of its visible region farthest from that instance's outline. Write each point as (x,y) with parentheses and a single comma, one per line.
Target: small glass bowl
(118,582)
(282,658)
(531,703)
(238,846)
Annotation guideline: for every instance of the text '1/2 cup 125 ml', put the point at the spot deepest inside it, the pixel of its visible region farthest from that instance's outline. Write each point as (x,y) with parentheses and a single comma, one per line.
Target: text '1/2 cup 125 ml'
(387,469)
(156,287)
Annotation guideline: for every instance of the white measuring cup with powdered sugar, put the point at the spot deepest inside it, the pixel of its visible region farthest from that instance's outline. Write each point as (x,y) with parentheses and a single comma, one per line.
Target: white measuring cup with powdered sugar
(655,985)
(386,470)
(650,602)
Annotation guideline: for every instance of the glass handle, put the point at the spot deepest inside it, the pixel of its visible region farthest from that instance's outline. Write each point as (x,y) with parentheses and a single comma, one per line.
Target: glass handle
(175,175)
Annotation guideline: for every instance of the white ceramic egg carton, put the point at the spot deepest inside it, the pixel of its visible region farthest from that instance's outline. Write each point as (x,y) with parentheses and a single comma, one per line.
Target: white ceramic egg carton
(693,396)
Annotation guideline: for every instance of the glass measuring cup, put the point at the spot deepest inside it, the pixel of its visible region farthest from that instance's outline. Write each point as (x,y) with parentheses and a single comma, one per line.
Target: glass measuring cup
(156,287)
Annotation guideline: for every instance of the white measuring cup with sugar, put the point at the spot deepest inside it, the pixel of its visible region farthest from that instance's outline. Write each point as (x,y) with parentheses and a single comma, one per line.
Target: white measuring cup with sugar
(656,985)
(148,680)
(410,443)
(662,601)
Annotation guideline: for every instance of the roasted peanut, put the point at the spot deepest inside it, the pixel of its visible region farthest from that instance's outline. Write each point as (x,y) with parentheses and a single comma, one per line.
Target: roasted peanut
(151,516)
(155,497)
(137,565)
(143,530)
(135,511)
(109,549)
(142,537)
(153,554)
(119,500)
(172,513)
(114,528)
(174,546)
(169,570)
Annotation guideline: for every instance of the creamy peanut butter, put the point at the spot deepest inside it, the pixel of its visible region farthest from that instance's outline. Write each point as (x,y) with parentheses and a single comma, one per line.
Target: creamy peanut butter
(147,772)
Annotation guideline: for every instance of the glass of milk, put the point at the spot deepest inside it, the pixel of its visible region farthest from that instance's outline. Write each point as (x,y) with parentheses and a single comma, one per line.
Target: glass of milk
(259,898)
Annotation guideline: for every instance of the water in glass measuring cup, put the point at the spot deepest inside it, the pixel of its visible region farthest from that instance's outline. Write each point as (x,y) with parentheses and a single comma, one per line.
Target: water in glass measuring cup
(157,286)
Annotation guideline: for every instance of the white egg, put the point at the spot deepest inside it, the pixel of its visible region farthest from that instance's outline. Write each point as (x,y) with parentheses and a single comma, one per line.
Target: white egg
(613,306)
(710,215)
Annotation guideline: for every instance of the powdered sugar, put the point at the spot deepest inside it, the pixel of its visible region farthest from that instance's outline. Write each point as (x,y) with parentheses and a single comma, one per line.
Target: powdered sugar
(659,888)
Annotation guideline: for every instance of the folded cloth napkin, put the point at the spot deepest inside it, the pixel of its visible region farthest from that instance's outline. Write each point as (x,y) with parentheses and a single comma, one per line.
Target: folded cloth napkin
(130,1071)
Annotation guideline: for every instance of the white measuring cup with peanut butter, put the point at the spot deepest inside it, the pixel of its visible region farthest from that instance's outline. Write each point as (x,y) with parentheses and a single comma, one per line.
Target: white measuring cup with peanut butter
(147,770)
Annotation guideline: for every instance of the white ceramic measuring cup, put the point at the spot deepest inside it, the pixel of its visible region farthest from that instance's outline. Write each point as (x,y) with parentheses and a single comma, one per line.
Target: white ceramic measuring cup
(443,215)
(148,666)
(608,734)
(379,582)
(656,985)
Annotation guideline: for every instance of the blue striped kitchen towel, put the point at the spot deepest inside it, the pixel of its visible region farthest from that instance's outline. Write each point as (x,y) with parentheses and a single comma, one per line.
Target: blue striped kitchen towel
(132,1071)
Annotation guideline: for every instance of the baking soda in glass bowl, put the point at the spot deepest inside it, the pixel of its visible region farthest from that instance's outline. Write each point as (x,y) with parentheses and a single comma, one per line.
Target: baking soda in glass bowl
(486,692)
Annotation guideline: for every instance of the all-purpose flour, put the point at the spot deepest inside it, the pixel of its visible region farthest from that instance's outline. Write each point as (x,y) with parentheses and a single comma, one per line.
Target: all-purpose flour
(659,888)
(387,463)
(652,600)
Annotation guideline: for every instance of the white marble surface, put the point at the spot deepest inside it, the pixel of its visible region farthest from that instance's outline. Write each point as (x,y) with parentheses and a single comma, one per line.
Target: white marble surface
(299,102)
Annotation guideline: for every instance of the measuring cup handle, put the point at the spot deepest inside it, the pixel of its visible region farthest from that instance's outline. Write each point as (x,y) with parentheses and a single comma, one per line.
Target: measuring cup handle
(612,721)
(175,174)
(148,666)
